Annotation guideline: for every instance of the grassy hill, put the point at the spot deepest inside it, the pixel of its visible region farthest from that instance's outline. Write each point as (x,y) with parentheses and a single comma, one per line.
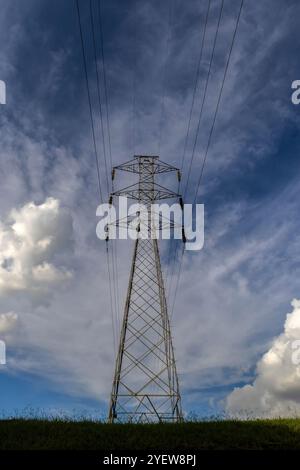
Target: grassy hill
(27,434)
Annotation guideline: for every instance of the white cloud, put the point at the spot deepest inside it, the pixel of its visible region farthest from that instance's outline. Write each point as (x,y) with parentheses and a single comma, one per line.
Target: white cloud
(7,321)
(30,239)
(276,390)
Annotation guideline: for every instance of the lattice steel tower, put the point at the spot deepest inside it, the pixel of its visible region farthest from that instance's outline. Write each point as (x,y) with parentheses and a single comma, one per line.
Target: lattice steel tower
(145,385)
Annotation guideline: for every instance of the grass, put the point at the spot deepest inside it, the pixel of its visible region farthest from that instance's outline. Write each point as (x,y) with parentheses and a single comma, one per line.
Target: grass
(38,434)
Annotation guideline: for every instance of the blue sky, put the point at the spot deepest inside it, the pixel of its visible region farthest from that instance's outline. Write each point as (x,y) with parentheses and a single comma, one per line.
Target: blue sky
(236,292)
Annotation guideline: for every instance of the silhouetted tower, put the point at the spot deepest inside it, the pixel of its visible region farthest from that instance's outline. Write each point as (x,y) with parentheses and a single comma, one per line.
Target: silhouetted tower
(145,385)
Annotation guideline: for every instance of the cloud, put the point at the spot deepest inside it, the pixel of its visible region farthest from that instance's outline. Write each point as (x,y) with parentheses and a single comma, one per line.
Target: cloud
(276,389)
(47,150)
(30,240)
(7,321)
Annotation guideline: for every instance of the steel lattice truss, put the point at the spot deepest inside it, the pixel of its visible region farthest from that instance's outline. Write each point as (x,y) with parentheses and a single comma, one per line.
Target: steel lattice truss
(145,386)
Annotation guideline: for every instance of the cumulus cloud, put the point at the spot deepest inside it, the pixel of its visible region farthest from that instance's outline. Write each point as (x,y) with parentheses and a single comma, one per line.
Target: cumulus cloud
(30,240)
(276,390)
(7,321)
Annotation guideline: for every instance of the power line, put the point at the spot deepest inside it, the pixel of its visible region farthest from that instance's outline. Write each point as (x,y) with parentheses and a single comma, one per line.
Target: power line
(211,132)
(177,283)
(204,96)
(99,93)
(196,83)
(111,299)
(163,97)
(134,74)
(105,80)
(96,152)
(89,100)
(114,245)
(219,98)
(113,254)
(201,111)
(197,77)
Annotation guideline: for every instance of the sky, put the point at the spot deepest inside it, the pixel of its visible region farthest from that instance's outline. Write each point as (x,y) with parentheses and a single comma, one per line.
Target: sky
(236,312)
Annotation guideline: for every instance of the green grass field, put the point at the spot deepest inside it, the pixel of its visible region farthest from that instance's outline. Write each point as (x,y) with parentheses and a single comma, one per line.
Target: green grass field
(27,434)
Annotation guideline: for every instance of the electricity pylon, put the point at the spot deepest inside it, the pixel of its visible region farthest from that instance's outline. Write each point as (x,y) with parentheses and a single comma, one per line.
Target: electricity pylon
(145,384)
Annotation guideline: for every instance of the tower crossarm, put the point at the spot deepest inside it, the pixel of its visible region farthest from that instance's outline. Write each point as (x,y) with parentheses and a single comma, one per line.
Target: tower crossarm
(134,165)
(155,193)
